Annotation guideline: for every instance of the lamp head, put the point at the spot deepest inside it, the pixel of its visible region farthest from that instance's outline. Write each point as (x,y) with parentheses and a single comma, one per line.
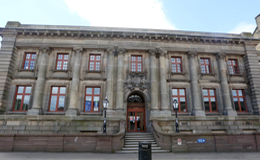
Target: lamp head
(175,104)
(105,103)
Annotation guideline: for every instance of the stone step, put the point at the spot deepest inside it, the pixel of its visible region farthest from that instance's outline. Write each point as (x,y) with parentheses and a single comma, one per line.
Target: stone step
(132,143)
(136,145)
(136,151)
(140,140)
(137,136)
(136,148)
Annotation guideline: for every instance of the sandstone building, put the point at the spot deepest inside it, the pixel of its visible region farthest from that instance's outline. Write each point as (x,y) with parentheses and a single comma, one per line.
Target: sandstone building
(53,80)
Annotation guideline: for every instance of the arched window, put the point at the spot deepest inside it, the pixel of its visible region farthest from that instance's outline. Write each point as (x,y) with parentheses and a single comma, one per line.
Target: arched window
(135,99)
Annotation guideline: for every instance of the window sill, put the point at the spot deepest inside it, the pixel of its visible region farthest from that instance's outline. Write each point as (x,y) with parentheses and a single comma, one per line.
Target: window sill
(91,113)
(54,113)
(208,74)
(26,70)
(13,112)
(60,70)
(92,71)
(243,113)
(236,75)
(178,73)
(211,113)
(181,113)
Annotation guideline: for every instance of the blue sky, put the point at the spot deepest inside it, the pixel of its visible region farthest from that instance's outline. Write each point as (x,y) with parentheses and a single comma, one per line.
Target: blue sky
(228,16)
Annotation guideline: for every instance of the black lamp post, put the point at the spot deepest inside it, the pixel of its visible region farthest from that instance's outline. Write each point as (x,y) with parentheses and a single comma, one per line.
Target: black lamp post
(105,104)
(176,108)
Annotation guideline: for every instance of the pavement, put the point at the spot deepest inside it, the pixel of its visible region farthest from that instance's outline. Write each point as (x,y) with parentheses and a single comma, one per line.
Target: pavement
(113,156)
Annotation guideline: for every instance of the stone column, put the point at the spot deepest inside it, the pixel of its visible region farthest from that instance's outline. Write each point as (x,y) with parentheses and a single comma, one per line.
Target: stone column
(196,98)
(110,76)
(154,84)
(163,84)
(228,110)
(40,83)
(120,82)
(74,92)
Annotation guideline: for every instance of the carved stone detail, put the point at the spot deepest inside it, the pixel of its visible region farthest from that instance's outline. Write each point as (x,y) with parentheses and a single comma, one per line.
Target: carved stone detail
(192,54)
(221,55)
(135,99)
(137,79)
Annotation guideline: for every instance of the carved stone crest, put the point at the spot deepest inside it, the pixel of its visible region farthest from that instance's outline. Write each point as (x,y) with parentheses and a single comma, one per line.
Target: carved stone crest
(137,79)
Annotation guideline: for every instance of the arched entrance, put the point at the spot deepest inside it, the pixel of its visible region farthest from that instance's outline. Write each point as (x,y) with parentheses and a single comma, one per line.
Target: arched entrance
(135,113)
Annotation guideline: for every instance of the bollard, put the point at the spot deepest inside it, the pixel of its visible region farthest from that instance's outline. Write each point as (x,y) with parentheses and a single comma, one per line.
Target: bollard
(145,151)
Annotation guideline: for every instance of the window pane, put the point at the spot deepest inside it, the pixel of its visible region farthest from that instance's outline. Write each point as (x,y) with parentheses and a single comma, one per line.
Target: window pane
(236,105)
(173,60)
(96,90)
(201,61)
(66,56)
(20,89)
(26,102)
(92,57)
(96,104)
(60,56)
(178,60)
(179,67)
(242,103)
(32,65)
(240,93)
(65,64)
(61,103)
(174,92)
(88,103)
(28,89)
(213,105)
(26,65)
(139,59)
(205,92)
(234,92)
(207,67)
(18,102)
(182,104)
(62,90)
(89,91)
(182,93)
(173,67)
(234,62)
(133,58)
(98,58)
(28,56)
(91,66)
(53,103)
(97,66)
(207,61)
(211,92)
(33,56)
(206,103)
(54,90)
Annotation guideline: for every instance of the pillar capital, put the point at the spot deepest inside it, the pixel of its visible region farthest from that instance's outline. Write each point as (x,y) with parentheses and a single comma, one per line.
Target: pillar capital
(152,52)
(221,55)
(121,51)
(44,49)
(192,54)
(162,52)
(111,50)
(77,49)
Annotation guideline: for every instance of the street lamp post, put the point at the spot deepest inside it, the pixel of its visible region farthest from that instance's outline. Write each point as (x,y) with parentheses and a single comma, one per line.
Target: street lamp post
(176,108)
(105,104)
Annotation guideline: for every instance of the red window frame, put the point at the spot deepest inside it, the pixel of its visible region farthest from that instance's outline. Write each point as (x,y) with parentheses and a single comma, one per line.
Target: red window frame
(23,94)
(92,95)
(233,66)
(179,98)
(205,65)
(176,64)
(62,61)
(239,100)
(30,57)
(136,64)
(209,97)
(94,62)
(58,94)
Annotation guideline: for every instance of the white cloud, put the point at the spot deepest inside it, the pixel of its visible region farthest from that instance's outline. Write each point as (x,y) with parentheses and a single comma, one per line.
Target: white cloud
(122,13)
(243,27)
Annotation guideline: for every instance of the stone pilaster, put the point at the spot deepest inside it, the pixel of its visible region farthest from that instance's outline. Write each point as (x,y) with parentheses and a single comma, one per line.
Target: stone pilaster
(40,83)
(110,76)
(163,85)
(196,99)
(120,82)
(74,93)
(154,84)
(228,110)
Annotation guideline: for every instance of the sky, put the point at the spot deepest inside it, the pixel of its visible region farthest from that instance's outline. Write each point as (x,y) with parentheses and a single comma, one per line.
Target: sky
(227,16)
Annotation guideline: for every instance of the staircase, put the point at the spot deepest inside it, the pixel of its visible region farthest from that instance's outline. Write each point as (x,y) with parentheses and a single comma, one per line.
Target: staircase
(132,141)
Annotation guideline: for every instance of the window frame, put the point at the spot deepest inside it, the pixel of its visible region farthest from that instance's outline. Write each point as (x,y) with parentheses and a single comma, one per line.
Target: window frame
(136,63)
(58,97)
(180,96)
(204,64)
(239,105)
(209,97)
(95,61)
(92,99)
(30,60)
(176,63)
(234,71)
(62,62)
(23,95)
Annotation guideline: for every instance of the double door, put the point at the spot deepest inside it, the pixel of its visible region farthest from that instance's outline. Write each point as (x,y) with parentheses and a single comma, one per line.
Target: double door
(136,118)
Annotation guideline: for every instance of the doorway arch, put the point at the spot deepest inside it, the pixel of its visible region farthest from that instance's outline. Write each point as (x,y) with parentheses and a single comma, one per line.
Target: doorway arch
(136,113)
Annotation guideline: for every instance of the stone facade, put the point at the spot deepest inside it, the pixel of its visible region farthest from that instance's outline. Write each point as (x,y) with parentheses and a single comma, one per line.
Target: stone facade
(116,79)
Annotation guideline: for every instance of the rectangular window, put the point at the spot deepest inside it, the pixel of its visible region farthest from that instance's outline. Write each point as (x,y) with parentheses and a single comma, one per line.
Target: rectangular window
(92,99)
(233,66)
(205,65)
(57,99)
(22,98)
(94,62)
(210,100)
(239,100)
(29,61)
(176,64)
(136,64)
(62,61)
(180,96)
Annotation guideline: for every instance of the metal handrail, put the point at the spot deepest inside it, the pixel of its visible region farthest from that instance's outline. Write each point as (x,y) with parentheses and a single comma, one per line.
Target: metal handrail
(154,130)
